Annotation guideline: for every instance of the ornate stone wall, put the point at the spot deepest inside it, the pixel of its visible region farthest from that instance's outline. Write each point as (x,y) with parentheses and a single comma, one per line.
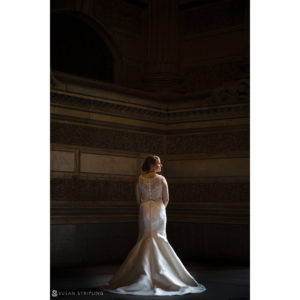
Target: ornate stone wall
(197,120)
(74,189)
(95,137)
(100,135)
(215,142)
(210,192)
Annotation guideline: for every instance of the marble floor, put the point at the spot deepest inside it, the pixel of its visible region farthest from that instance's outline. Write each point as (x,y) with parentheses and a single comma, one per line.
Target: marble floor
(222,283)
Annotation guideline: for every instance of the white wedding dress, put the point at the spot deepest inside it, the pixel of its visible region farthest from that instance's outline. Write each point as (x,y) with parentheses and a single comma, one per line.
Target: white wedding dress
(152,267)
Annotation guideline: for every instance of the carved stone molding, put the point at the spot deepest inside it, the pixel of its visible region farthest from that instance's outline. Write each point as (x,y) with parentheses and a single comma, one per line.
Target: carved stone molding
(87,136)
(101,212)
(209,143)
(228,101)
(108,106)
(93,190)
(111,191)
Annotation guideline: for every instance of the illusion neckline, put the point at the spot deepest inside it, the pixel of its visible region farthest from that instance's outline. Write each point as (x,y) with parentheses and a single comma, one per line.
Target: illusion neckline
(155,176)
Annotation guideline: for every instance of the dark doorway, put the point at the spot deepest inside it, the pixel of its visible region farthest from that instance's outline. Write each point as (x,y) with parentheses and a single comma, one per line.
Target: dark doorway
(77,49)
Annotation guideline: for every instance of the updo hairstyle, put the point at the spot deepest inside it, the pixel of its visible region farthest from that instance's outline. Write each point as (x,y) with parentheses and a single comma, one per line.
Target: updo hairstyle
(149,162)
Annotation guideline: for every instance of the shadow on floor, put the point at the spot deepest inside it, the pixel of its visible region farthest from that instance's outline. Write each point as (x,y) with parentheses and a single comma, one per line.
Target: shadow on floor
(221,282)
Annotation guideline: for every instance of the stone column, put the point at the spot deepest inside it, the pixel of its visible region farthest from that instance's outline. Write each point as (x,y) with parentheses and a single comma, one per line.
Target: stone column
(161,74)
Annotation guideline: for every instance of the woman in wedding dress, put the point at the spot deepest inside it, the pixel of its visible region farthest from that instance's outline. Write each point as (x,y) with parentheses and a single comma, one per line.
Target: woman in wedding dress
(152,267)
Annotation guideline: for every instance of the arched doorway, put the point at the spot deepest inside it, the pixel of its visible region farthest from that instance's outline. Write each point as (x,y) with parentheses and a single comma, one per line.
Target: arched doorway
(78,48)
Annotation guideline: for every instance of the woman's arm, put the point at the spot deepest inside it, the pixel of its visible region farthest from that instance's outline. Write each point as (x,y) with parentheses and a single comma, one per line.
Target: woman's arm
(138,192)
(165,192)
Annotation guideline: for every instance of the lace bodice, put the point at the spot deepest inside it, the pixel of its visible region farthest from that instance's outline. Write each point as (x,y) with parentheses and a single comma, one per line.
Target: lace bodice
(153,188)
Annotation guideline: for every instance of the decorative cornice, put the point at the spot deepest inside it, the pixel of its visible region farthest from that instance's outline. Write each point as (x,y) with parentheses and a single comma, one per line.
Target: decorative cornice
(102,105)
(165,116)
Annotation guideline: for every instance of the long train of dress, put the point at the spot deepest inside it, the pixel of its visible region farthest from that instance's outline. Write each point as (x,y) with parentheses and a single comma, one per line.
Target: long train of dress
(152,267)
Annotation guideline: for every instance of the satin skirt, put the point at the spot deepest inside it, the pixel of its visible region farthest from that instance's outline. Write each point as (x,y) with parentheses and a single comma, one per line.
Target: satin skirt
(152,267)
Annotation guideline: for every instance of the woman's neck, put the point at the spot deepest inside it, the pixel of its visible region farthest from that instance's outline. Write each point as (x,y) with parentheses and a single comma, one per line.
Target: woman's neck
(150,174)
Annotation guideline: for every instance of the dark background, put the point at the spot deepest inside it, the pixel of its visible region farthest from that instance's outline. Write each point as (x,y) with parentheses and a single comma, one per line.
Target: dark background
(138,77)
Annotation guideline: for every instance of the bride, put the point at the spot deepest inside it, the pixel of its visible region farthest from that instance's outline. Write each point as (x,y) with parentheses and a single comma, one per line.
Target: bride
(152,267)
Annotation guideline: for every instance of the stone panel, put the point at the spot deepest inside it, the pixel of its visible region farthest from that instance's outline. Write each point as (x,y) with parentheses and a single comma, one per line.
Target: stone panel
(62,161)
(108,164)
(208,167)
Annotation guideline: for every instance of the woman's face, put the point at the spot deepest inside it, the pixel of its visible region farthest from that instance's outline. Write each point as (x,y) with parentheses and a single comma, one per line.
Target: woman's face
(158,166)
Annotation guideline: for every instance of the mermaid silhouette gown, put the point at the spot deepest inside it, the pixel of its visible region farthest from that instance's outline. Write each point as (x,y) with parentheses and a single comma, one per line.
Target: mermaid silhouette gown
(152,267)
